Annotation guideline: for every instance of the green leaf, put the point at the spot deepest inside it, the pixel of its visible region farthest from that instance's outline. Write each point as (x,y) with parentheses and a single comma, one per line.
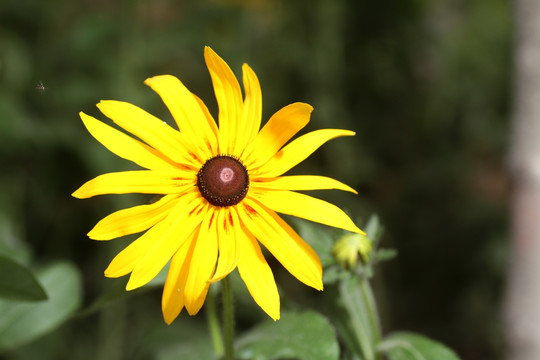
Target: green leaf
(320,238)
(307,336)
(18,283)
(23,322)
(411,346)
(11,244)
(333,274)
(383,254)
(374,229)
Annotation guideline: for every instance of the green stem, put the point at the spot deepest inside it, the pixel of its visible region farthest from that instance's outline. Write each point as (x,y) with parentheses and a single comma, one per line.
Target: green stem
(353,303)
(374,321)
(228,318)
(213,323)
(357,296)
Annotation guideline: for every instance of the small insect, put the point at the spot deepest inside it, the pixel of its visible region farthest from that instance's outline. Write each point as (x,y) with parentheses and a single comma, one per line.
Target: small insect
(41,87)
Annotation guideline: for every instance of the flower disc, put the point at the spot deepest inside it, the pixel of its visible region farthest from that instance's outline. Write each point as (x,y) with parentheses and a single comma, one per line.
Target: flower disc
(223,181)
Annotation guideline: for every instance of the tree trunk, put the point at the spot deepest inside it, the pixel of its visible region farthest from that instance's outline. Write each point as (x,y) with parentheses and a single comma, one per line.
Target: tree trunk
(522,310)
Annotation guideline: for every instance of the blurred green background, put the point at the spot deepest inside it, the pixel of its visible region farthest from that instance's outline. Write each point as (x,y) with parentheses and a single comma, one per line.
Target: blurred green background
(425,85)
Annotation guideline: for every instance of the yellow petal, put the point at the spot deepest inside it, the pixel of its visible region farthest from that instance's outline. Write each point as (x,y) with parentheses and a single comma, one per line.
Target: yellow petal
(252,109)
(228,228)
(300,182)
(283,242)
(281,127)
(198,302)
(125,261)
(185,109)
(203,262)
(152,130)
(298,150)
(124,146)
(258,277)
(306,207)
(181,223)
(229,99)
(172,301)
(132,220)
(211,121)
(138,181)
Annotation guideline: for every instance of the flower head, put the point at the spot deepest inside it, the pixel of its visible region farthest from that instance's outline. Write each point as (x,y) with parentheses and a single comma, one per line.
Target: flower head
(348,247)
(221,186)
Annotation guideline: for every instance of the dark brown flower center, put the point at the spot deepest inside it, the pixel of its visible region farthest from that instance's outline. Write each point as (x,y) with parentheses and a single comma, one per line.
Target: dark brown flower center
(223,181)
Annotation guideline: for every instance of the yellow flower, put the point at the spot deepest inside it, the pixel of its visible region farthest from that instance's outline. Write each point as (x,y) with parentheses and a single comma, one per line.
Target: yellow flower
(221,190)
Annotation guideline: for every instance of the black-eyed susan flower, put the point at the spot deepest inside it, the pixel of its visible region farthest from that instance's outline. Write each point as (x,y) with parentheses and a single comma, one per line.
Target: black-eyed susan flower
(221,186)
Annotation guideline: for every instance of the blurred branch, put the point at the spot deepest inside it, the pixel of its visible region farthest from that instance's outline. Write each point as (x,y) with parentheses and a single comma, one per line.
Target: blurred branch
(523,290)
